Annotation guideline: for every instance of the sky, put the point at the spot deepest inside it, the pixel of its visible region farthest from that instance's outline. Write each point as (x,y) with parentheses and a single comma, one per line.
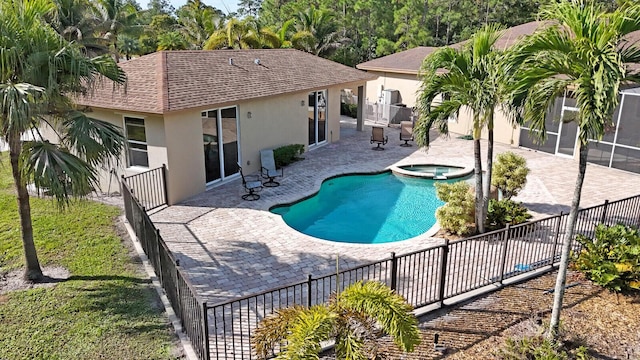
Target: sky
(225,5)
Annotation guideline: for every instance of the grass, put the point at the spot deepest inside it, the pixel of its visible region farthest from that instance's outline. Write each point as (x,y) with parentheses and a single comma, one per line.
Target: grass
(105,310)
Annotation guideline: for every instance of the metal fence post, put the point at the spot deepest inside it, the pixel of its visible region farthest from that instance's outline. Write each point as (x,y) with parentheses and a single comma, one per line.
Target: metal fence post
(178,297)
(555,241)
(503,254)
(205,324)
(394,271)
(164,184)
(443,271)
(604,212)
(309,291)
(160,266)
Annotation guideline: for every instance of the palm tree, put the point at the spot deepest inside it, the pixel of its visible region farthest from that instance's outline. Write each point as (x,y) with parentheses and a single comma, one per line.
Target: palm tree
(116,17)
(350,317)
(469,77)
(247,33)
(39,71)
(198,21)
(317,32)
(582,52)
(172,40)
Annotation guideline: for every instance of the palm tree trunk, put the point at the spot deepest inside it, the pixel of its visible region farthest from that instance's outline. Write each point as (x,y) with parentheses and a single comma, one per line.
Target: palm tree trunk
(478,175)
(487,181)
(566,246)
(32,271)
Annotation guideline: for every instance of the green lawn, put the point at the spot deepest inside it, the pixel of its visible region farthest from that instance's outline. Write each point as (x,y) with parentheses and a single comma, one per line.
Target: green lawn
(105,310)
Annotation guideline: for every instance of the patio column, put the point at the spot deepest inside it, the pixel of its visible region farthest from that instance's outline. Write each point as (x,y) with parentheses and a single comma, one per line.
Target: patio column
(360,120)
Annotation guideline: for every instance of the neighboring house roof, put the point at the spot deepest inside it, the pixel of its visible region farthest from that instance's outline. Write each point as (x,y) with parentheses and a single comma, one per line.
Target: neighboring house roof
(409,61)
(404,62)
(169,81)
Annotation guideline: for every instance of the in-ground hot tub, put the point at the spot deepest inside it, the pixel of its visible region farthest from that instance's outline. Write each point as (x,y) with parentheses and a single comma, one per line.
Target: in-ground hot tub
(432,171)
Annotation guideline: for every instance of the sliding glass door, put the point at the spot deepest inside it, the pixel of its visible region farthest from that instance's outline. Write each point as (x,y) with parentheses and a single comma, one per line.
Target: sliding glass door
(220,141)
(317,117)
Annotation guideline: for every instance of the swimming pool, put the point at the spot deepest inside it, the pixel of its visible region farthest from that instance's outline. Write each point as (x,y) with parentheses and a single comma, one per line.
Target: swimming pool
(366,209)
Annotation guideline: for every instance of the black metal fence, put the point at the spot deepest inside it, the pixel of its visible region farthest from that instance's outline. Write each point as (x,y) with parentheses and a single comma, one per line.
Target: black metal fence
(189,308)
(149,187)
(423,277)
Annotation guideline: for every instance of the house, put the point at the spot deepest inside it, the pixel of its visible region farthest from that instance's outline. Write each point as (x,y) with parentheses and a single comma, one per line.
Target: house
(618,149)
(204,112)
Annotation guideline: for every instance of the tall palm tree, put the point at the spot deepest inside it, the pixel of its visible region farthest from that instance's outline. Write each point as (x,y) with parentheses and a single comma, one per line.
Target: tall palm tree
(247,33)
(197,21)
(116,17)
(39,71)
(583,53)
(350,318)
(316,32)
(468,77)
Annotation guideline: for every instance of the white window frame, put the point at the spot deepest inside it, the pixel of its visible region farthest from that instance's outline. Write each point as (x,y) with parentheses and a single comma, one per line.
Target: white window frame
(129,141)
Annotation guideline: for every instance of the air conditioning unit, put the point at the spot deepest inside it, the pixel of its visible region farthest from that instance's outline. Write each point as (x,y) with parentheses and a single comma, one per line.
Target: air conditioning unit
(390,96)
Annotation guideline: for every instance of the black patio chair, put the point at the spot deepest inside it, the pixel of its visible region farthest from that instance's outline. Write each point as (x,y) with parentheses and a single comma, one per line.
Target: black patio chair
(251,184)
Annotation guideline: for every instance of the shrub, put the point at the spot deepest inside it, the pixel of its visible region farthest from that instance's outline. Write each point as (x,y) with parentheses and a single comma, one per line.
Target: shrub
(509,173)
(506,211)
(612,259)
(349,110)
(538,347)
(457,215)
(287,154)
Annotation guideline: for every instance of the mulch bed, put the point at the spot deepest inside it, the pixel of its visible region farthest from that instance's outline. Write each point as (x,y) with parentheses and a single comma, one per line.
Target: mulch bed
(607,324)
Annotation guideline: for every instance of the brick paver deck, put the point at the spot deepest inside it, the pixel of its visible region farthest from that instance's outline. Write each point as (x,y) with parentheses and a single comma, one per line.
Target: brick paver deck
(231,247)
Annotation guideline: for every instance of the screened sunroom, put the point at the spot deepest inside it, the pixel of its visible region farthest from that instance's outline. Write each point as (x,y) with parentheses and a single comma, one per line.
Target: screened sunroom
(619,147)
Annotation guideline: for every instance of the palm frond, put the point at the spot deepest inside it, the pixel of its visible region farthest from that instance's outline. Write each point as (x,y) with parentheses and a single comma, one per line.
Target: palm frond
(273,329)
(53,168)
(307,331)
(19,104)
(391,311)
(97,142)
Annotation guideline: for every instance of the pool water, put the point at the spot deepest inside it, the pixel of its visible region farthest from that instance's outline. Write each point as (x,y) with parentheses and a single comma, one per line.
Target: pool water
(366,209)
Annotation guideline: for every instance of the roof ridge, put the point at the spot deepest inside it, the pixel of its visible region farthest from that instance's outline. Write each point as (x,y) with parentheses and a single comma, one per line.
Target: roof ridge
(161,81)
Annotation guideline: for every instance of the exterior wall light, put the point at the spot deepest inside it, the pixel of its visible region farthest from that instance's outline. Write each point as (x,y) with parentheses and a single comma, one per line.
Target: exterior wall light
(302,103)
(249,115)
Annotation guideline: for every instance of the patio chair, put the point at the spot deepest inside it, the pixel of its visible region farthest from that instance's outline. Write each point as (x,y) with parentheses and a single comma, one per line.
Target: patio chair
(268,169)
(251,185)
(406,132)
(377,136)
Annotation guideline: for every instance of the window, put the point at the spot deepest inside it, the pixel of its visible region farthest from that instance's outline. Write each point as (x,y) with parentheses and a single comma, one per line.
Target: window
(136,142)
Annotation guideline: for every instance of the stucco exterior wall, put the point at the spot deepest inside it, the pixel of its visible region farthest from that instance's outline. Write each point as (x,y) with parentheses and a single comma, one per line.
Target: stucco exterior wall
(185,155)
(175,139)
(275,121)
(109,176)
(407,84)
(503,131)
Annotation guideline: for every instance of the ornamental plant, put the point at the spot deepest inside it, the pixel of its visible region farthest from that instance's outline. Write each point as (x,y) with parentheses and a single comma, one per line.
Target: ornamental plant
(287,154)
(612,258)
(457,215)
(509,173)
(354,318)
(506,211)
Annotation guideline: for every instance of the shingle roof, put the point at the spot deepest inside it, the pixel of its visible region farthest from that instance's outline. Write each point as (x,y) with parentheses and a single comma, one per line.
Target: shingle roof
(177,80)
(405,62)
(409,61)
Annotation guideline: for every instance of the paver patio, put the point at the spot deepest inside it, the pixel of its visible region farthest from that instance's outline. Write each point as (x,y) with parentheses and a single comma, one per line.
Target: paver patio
(230,247)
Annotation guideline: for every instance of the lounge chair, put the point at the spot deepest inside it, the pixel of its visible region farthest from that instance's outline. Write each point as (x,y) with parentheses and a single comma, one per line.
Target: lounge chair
(251,184)
(406,132)
(377,136)
(268,169)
